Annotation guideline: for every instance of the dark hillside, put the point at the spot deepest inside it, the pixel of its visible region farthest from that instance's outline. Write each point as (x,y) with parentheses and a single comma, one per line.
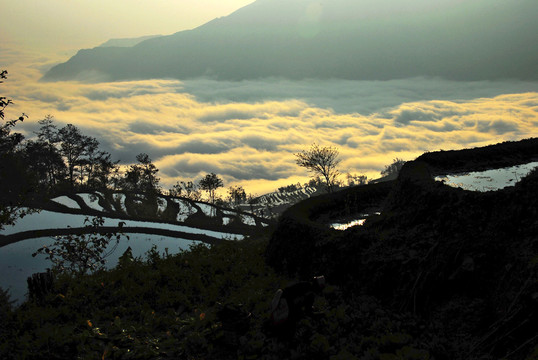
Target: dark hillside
(493,156)
(302,228)
(465,262)
(435,272)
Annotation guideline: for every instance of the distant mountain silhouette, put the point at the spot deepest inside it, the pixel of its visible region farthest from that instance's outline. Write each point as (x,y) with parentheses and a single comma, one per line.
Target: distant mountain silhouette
(127,42)
(347,39)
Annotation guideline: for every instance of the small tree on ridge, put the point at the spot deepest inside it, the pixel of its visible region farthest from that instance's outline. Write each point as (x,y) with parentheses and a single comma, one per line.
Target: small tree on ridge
(210,183)
(321,161)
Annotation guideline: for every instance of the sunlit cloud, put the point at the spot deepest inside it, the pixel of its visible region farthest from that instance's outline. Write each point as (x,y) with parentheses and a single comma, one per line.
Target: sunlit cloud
(248,132)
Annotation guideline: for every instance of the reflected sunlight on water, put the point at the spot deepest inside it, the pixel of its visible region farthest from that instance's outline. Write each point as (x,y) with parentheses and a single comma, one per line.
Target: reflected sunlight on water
(338,226)
(489,180)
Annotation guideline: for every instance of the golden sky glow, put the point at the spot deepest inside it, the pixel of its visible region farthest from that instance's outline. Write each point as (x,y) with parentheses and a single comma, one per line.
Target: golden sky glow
(67,25)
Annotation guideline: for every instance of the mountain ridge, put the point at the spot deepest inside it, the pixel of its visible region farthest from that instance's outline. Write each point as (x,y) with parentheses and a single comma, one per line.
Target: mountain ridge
(127,42)
(310,39)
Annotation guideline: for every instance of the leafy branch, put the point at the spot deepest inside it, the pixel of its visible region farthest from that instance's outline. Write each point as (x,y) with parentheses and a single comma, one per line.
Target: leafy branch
(80,254)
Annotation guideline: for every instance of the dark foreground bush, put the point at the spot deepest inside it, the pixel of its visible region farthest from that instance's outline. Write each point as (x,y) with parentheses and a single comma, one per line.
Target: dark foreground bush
(171,307)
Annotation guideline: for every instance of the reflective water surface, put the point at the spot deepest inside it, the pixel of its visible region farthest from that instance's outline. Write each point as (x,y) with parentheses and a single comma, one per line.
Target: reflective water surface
(488,180)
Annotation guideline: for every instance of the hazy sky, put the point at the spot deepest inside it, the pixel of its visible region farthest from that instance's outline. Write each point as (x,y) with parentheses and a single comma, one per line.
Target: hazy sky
(73,24)
(244,131)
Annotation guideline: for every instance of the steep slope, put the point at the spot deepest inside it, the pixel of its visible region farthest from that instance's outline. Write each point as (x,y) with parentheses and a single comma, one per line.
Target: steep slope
(466,262)
(339,39)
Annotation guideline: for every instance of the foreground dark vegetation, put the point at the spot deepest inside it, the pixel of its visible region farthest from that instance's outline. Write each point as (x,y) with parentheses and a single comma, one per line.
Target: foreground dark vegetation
(442,273)
(464,262)
(171,306)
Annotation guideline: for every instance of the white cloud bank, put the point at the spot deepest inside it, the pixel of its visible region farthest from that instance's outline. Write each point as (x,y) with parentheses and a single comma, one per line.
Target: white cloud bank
(247,132)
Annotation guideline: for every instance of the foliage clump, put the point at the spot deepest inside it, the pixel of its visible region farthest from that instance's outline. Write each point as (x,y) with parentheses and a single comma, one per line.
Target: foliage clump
(392,170)
(85,252)
(171,306)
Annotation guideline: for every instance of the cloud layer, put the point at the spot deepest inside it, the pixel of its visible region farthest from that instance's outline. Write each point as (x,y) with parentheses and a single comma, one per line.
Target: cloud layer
(247,132)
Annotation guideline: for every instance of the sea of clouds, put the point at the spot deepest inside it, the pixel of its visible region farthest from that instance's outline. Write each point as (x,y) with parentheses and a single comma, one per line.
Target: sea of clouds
(248,131)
